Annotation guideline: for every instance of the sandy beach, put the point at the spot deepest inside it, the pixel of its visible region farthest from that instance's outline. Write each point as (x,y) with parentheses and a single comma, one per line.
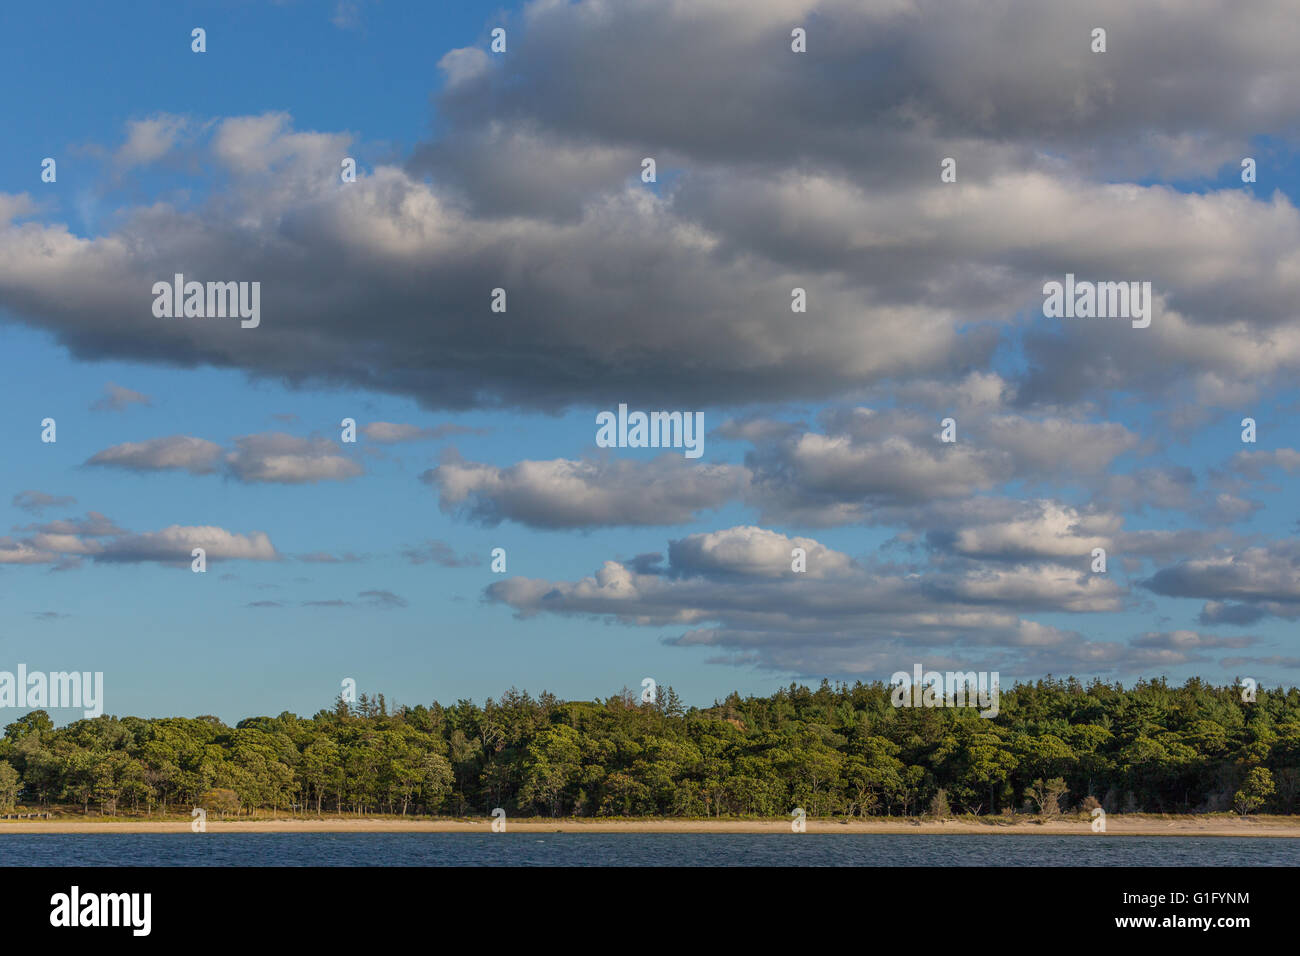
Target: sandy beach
(1116,825)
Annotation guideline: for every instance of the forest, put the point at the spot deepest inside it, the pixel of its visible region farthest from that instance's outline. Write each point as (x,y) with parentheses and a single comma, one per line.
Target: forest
(840,750)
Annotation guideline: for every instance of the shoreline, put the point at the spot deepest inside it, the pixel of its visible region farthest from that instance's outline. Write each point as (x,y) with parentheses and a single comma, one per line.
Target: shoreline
(1116,825)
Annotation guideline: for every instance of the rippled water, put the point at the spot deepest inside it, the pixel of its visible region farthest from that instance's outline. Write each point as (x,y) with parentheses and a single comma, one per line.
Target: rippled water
(636,849)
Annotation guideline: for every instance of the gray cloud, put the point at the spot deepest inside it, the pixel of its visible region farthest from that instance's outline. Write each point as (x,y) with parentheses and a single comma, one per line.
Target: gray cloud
(64,543)
(175,452)
(735,589)
(36,502)
(284,459)
(268,457)
(440,553)
(382,599)
(174,544)
(764,186)
(375,599)
(1265,577)
(1218,612)
(116,398)
(324,557)
(1190,640)
(389,433)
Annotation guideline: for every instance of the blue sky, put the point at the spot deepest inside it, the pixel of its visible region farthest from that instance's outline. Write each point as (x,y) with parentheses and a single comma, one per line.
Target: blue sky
(522,170)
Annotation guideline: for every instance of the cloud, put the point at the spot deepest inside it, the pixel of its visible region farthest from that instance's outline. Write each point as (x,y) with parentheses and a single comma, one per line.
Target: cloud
(267,457)
(462,65)
(734,590)
(758,194)
(63,544)
(116,398)
(751,551)
(65,531)
(176,452)
(389,433)
(374,599)
(873,465)
(563,493)
(1275,660)
(149,140)
(1190,640)
(1039,530)
(324,557)
(1021,73)
(174,544)
(284,459)
(384,599)
(13,551)
(1035,587)
(1218,612)
(440,553)
(1265,577)
(36,502)
(1254,464)
(924,303)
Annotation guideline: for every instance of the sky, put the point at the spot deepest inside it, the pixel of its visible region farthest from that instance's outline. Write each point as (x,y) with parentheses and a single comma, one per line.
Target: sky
(523,170)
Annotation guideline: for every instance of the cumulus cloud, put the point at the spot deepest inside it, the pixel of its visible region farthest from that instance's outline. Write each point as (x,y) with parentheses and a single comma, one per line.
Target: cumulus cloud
(63,543)
(759,193)
(93,525)
(924,302)
(1266,578)
(751,551)
(735,590)
(13,551)
(1042,529)
(575,494)
(268,457)
(285,459)
(174,545)
(872,465)
(175,452)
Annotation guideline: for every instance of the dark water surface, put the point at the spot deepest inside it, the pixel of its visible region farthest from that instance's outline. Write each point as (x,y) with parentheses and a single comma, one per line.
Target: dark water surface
(636,849)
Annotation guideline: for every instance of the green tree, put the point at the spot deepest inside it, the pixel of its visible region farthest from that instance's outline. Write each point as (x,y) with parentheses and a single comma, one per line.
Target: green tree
(1254,792)
(8,786)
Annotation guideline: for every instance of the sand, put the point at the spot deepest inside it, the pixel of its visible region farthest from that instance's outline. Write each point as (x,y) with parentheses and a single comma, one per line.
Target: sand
(1116,825)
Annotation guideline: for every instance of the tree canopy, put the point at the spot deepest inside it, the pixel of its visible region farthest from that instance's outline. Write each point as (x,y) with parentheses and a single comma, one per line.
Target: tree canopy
(839,750)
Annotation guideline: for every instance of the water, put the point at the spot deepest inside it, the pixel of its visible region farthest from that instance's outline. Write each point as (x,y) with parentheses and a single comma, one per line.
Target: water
(636,849)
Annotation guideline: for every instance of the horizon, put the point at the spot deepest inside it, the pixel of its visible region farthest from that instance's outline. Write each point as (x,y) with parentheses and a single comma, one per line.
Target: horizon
(392,707)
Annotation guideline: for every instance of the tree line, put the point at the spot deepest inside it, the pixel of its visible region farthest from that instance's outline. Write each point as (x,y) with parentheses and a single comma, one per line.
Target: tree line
(839,750)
